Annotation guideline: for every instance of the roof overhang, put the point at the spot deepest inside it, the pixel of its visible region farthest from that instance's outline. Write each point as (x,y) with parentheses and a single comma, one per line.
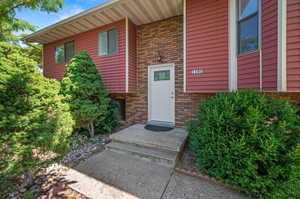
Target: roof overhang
(138,11)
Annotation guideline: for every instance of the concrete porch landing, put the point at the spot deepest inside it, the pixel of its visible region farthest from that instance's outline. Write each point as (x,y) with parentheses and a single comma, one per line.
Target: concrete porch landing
(159,147)
(121,172)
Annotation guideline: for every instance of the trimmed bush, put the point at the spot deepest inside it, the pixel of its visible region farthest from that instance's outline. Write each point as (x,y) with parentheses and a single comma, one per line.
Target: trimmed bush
(247,140)
(86,93)
(33,118)
(110,122)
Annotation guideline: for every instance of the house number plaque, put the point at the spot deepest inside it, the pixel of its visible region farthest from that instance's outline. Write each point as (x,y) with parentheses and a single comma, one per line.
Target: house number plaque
(197,71)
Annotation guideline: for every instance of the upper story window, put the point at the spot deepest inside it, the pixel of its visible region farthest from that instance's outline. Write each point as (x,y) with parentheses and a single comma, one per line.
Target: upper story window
(108,42)
(69,51)
(64,52)
(59,54)
(248,23)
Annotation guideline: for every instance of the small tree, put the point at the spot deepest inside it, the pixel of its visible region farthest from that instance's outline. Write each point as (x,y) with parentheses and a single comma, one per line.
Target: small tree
(33,118)
(85,92)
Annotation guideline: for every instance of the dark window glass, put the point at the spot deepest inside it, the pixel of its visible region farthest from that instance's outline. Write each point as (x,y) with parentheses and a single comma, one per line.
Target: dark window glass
(162,75)
(69,50)
(112,41)
(121,108)
(248,26)
(108,42)
(248,36)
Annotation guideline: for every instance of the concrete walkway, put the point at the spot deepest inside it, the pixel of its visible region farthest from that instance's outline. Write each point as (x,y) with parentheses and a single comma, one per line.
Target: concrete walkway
(187,187)
(111,175)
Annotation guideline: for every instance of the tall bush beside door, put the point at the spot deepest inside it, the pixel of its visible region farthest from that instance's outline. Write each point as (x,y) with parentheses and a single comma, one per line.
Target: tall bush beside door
(250,141)
(85,92)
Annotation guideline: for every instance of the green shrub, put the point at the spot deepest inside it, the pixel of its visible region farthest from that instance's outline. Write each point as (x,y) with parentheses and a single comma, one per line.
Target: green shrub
(33,118)
(110,122)
(85,92)
(249,141)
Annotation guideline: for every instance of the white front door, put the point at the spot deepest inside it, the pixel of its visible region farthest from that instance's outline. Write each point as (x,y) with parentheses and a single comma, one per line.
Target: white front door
(161,93)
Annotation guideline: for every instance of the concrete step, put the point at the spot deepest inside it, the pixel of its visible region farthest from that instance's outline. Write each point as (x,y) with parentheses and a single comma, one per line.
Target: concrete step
(165,141)
(166,158)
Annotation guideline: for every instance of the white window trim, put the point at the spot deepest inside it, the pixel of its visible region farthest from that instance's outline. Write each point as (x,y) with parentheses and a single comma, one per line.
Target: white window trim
(281,62)
(184,45)
(232,45)
(99,46)
(126,55)
(260,45)
(63,45)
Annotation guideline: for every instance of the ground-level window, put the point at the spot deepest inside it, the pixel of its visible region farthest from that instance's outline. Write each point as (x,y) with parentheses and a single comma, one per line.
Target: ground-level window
(121,108)
(248,25)
(108,42)
(64,52)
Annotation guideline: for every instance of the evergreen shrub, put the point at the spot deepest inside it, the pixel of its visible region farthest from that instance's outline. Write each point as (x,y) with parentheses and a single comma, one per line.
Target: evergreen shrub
(87,95)
(250,141)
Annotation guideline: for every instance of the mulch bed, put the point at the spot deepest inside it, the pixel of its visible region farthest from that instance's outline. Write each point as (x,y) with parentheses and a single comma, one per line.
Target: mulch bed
(187,161)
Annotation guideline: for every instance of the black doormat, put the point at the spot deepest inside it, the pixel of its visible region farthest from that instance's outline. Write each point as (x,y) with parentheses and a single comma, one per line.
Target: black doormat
(152,127)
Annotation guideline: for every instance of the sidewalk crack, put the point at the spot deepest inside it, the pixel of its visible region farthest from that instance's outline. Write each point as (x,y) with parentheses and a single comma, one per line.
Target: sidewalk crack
(165,189)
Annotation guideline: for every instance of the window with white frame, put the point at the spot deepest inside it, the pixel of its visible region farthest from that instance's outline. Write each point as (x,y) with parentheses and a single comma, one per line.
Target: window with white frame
(64,52)
(248,25)
(59,54)
(108,42)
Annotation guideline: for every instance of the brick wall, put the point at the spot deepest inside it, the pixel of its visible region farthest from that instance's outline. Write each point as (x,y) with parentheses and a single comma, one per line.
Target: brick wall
(164,37)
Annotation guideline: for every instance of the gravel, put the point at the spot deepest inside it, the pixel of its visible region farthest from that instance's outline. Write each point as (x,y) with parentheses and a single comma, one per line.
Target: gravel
(50,183)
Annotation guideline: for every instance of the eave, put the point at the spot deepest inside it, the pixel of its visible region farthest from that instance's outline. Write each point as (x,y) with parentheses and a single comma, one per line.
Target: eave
(138,11)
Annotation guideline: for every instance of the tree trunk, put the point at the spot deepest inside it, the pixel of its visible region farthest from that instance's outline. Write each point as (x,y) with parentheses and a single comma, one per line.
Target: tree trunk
(91,129)
(28,178)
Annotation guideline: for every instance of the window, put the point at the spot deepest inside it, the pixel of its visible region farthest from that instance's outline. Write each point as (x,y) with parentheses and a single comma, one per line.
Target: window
(121,108)
(59,54)
(248,25)
(108,42)
(65,52)
(69,50)
(161,75)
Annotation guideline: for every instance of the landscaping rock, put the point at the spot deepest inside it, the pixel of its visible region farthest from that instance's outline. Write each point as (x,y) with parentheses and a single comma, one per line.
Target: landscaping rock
(51,181)
(105,139)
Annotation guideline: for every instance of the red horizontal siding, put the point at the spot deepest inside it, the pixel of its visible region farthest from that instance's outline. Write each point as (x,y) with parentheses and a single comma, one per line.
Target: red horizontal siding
(248,71)
(207,45)
(269,44)
(132,57)
(111,67)
(293,45)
